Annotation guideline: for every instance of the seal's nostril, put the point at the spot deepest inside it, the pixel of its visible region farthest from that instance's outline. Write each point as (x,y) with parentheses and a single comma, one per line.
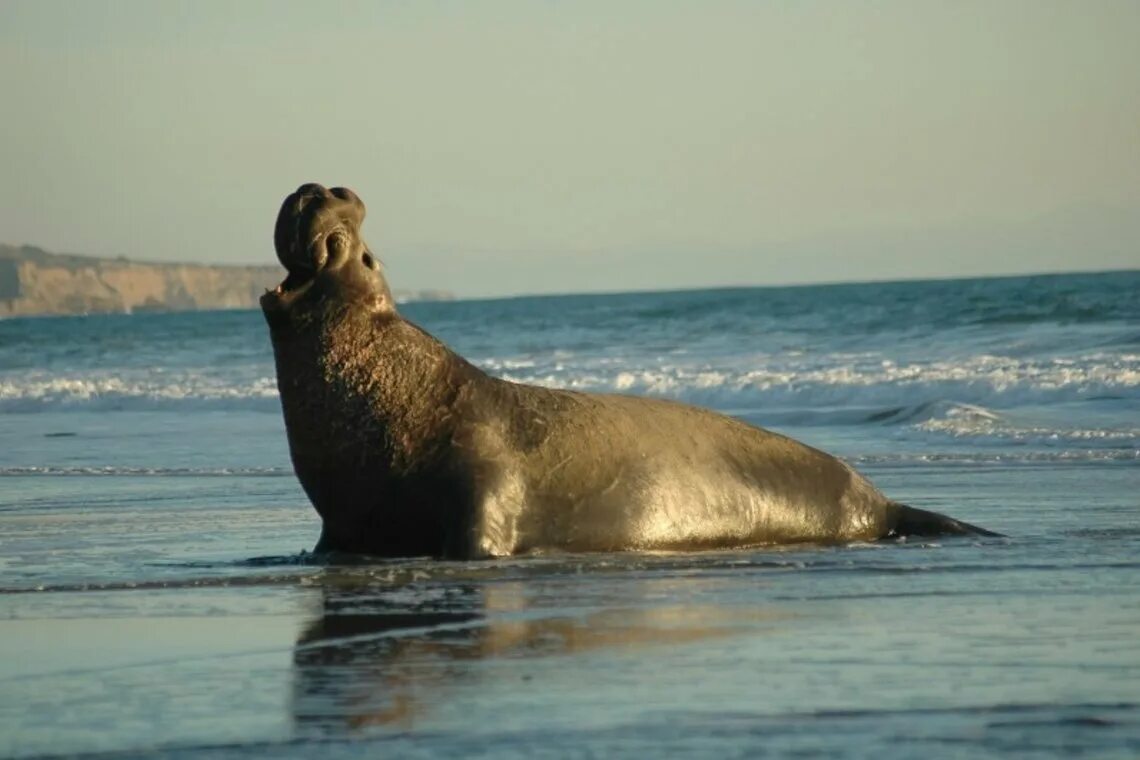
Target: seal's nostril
(367,260)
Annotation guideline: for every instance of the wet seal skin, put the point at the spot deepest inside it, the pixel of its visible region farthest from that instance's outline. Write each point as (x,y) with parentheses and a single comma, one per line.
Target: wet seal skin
(407,449)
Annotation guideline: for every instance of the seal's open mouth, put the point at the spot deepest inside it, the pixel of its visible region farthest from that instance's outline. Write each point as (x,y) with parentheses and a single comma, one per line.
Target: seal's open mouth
(317,239)
(305,262)
(288,290)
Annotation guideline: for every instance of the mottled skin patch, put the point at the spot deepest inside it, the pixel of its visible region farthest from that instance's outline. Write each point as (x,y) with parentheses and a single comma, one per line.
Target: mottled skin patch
(405,448)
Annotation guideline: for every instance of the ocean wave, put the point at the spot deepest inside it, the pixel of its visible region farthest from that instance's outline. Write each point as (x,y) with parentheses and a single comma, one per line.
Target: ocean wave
(983,459)
(850,381)
(158,472)
(964,459)
(996,429)
(968,397)
(136,390)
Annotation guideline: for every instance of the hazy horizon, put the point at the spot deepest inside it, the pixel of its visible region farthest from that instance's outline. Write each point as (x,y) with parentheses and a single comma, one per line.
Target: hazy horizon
(512,148)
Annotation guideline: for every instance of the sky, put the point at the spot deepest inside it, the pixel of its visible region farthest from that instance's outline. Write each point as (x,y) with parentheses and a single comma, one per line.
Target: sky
(536,147)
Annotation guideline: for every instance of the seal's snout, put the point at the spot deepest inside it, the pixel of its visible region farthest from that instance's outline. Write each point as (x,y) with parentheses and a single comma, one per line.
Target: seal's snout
(317,239)
(315,222)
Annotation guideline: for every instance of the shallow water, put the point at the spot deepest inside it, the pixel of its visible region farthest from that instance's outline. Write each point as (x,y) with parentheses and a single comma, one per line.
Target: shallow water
(155,593)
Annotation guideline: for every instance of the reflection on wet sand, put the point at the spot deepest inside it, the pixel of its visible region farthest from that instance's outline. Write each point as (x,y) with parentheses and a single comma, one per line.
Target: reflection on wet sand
(385,658)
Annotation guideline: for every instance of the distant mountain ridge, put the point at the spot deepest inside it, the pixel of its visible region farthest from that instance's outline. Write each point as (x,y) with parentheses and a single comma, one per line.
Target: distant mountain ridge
(36,282)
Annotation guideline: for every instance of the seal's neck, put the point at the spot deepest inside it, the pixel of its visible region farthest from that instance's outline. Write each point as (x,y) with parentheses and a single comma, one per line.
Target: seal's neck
(370,381)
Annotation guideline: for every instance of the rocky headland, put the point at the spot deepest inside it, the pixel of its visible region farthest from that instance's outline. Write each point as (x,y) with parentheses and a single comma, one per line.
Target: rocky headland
(36,282)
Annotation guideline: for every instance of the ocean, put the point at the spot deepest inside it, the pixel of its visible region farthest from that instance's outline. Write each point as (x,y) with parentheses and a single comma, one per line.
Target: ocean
(157,595)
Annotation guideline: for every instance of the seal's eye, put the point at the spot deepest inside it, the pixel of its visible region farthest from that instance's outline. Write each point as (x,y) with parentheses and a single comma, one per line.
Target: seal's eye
(367,260)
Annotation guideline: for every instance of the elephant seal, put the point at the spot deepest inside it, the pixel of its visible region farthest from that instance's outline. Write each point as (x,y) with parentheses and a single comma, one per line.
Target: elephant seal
(405,448)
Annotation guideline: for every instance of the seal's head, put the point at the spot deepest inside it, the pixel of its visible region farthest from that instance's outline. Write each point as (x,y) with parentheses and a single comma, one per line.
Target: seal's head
(318,241)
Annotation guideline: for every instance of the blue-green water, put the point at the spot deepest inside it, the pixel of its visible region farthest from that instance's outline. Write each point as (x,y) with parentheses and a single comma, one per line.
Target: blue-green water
(154,594)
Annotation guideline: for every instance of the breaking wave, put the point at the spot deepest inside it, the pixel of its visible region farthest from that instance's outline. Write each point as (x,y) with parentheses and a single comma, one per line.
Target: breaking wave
(954,397)
(136,390)
(157,472)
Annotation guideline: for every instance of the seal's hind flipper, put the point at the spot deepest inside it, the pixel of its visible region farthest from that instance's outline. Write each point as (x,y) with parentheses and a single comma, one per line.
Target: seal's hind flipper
(908,521)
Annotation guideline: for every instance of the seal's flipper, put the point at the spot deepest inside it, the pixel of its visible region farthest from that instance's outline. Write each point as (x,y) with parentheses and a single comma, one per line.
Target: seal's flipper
(908,521)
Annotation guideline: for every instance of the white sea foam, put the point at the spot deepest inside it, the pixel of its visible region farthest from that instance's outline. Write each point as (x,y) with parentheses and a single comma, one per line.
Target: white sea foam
(1006,457)
(962,398)
(861,381)
(159,472)
(966,427)
(135,390)
(113,471)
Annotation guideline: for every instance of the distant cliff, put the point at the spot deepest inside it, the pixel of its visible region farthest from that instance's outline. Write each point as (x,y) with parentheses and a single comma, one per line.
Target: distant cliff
(33,281)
